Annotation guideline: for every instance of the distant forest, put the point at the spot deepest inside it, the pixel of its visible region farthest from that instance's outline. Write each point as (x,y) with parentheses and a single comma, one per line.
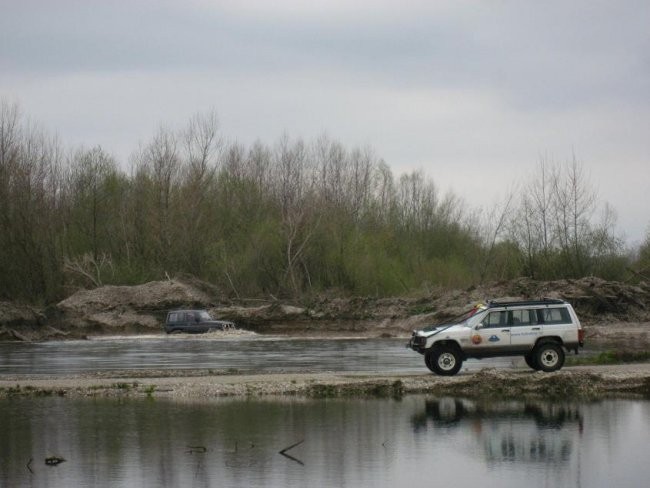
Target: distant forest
(289,219)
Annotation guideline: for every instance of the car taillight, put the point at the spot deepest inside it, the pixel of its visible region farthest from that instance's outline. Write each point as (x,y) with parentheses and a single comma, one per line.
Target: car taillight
(581,336)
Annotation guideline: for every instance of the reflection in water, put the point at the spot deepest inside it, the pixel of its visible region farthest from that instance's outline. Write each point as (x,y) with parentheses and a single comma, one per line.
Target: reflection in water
(416,441)
(509,431)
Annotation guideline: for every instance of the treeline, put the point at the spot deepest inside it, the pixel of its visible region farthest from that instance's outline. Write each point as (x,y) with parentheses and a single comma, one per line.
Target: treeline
(288,219)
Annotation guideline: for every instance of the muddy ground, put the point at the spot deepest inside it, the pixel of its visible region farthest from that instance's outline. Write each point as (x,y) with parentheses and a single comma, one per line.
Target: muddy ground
(571,383)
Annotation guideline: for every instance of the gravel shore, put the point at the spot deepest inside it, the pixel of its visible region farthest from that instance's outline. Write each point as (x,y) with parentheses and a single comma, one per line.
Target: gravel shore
(571,382)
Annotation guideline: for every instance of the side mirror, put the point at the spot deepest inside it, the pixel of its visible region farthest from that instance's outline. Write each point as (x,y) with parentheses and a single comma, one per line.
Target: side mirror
(478,326)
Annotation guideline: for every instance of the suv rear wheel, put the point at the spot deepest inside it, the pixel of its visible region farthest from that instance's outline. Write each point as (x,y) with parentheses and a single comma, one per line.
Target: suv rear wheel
(549,356)
(444,360)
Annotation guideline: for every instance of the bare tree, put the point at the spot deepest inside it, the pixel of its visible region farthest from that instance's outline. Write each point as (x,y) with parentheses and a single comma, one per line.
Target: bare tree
(555,225)
(202,142)
(331,165)
(234,161)
(493,229)
(384,191)
(541,202)
(30,187)
(88,267)
(10,135)
(417,201)
(362,167)
(90,171)
(162,160)
(259,164)
(574,202)
(294,185)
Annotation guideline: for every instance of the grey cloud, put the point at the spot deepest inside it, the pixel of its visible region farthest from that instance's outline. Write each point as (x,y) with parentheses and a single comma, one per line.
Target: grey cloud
(535,54)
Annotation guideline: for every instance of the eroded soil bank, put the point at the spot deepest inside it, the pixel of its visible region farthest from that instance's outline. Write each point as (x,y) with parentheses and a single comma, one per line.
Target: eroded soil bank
(579,382)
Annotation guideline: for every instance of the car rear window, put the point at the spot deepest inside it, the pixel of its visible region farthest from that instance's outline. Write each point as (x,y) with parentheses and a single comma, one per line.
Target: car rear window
(173,317)
(523,317)
(555,315)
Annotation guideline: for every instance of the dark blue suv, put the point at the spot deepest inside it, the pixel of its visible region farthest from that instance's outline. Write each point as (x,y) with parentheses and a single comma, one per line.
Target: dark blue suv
(194,321)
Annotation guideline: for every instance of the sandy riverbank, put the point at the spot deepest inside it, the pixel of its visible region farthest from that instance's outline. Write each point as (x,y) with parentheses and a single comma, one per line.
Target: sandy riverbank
(585,382)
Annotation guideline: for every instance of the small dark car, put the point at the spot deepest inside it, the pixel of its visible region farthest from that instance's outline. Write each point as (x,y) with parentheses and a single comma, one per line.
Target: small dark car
(194,321)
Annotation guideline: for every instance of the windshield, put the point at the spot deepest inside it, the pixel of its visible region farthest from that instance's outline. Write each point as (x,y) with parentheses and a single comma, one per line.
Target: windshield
(470,314)
(468,318)
(476,318)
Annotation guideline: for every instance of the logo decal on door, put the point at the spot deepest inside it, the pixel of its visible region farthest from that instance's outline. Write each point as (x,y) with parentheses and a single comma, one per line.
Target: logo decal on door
(494,338)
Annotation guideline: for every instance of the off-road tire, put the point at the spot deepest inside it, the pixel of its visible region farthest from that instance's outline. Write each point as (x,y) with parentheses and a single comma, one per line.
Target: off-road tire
(531,362)
(427,361)
(549,356)
(444,360)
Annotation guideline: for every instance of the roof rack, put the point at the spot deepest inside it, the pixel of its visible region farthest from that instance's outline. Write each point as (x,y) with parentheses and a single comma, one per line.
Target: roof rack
(543,301)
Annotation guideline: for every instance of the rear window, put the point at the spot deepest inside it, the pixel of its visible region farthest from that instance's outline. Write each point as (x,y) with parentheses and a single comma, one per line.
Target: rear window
(555,315)
(173,317)
(523,317)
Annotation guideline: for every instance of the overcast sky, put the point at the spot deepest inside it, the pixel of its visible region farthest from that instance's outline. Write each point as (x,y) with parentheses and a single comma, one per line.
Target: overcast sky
(475,93)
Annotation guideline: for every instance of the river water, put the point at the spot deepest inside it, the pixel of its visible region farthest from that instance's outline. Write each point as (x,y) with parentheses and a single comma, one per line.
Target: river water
(208,351)
(416,441)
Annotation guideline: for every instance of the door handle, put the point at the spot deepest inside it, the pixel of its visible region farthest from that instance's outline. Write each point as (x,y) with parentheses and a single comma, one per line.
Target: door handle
(505,330)
(536,328)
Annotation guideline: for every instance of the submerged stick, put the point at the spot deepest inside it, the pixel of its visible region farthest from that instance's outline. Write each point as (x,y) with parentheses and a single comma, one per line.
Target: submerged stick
(54,460)
(195,449)
(283,452)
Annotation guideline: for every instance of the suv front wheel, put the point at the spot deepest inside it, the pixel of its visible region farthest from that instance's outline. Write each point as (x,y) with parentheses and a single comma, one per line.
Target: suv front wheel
(548,356)
(444,360)
(530,361)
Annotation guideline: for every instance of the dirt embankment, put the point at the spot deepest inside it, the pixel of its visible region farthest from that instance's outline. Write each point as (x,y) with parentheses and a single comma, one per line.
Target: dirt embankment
(612,310)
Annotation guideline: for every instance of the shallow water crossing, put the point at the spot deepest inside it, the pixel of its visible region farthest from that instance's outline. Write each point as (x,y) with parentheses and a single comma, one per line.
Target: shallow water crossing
(415,441)
(246,354)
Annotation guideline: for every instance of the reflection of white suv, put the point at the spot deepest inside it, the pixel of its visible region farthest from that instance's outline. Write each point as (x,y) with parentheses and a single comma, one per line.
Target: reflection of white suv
(538,330)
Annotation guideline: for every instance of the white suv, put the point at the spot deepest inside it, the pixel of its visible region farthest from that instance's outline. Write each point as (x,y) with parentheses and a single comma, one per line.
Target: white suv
(538,330)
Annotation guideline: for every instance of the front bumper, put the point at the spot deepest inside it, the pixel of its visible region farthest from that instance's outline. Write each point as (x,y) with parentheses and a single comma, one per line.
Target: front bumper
(417,343)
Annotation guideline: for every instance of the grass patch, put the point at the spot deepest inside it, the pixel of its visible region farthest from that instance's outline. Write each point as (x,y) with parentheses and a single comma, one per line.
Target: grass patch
(370,389)
(13,390)
(421,309)
(610,357)
(125,386)
(323,391)
(30,391)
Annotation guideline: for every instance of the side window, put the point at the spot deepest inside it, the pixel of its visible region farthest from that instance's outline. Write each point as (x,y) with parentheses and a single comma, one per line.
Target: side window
(189,317)
(522,317)
(173,317)
(556,316)
(496,319)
